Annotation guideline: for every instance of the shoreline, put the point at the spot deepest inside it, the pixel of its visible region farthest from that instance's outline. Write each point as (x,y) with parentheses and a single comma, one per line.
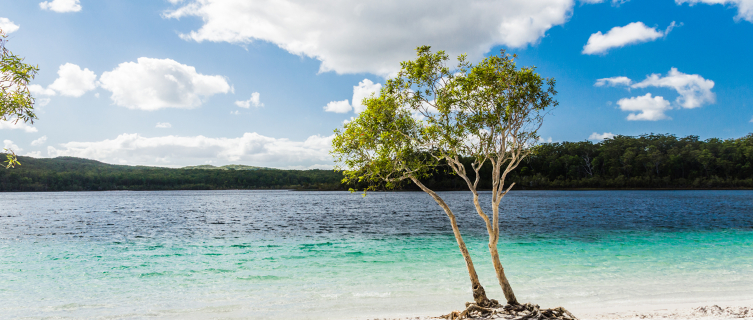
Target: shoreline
(678,311)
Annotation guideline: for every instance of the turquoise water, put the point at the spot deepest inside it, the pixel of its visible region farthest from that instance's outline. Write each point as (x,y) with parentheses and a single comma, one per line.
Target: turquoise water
(292,255)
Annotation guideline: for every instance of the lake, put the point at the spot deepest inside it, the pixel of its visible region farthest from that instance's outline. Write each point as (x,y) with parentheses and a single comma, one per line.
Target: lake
(337,255)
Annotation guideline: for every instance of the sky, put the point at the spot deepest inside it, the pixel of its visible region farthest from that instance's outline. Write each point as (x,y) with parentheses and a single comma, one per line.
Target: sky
(175,83)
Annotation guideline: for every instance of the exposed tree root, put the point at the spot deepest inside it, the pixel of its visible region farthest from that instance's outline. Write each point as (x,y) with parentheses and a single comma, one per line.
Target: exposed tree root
(514,312)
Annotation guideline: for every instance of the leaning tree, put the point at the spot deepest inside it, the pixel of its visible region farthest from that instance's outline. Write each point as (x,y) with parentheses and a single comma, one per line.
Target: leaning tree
(489,112)
(430,114)
(386,146)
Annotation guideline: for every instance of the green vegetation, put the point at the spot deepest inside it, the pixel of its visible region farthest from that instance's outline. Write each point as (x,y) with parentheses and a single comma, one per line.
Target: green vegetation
(227,167)
(16,102)
(465,118)
(74,174)
(647,161)
(652,161)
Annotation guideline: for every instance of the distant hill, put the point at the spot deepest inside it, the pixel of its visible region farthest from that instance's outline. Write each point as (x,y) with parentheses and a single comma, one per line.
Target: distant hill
(227,167)
(76,174)
(653,161)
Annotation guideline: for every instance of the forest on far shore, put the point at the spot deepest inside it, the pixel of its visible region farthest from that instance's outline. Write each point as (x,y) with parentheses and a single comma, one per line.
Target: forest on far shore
(651,161)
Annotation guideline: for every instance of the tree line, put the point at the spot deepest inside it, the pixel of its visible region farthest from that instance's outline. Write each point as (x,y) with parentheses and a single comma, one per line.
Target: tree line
(650,161)
(75,174)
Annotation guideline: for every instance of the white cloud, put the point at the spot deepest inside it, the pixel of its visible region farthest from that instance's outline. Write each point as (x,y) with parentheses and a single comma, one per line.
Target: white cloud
(602,136)
(235,112)
(61,5)
(251,148)
(39,141)
(694,90)
(42,101)
(617,37)
(72,81)
(8,26)
(651,108)
(35,154)
(9,145)
(614,2)
(163,125)
(38,90)
(338,106)
(374,35)
(542,140)
(253,101)
(364,89)
(151,84)
(744,7)
(17,125)
(613,82)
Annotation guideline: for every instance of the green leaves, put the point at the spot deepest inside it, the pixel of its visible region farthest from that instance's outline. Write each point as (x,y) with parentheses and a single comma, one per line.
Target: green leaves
(16,102)
(430,112)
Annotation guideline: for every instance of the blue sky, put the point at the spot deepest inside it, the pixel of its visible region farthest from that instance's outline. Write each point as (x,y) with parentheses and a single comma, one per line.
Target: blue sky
(175,83)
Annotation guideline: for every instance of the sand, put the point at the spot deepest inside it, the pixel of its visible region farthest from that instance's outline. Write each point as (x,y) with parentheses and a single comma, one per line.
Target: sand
(712,312)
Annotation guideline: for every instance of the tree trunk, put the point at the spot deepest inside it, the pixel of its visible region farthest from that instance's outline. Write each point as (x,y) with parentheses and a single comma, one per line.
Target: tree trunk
(479,294)
(506,288)
(493,240)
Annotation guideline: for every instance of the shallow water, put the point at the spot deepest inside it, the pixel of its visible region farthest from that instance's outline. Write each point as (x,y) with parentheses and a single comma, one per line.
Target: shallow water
(336,255)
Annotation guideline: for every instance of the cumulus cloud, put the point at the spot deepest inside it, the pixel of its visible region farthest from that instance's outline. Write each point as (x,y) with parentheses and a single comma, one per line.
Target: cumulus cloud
(253,101)
(364,89)
(163,125)
(694,90)
(72,81)
(152,84)
(35,154)
(744,7)
(39,141)
(617,37)
(8,26)
(338,106)
(613,82)
(38,90)
(251,148)
(20,125)
(602,136)
(374,35)
(9,145)
(650,108)
(61,5)
(614,2)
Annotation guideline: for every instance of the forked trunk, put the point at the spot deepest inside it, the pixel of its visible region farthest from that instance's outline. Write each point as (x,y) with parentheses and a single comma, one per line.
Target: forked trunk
(479,294)
(493,240)
(500,271)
